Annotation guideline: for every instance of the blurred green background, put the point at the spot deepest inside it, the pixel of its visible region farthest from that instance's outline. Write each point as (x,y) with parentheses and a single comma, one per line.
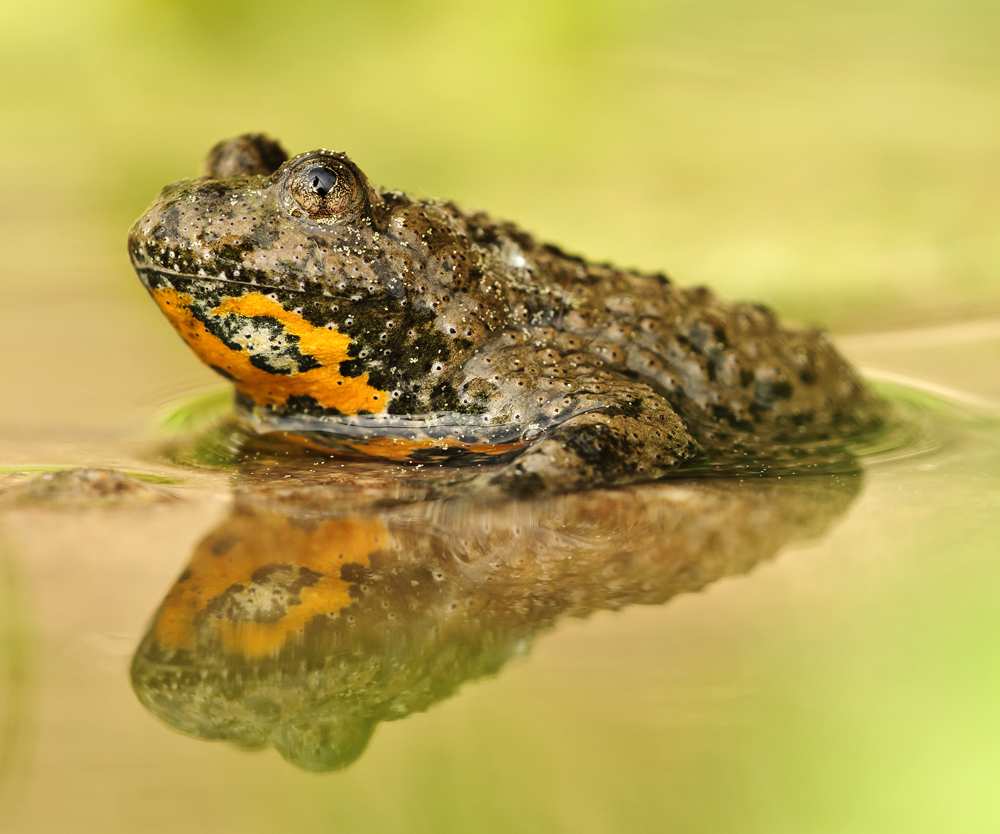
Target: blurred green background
(839,160)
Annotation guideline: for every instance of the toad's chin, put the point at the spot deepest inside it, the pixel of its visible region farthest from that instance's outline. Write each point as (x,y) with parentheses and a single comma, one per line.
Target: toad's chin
(273,356)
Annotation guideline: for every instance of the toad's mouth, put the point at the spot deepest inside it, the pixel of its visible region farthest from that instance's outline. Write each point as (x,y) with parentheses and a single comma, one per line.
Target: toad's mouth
(153,273)
(145,269)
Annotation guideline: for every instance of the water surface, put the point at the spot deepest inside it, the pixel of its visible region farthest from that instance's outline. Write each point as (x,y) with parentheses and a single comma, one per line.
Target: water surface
(837,669)
(793,654)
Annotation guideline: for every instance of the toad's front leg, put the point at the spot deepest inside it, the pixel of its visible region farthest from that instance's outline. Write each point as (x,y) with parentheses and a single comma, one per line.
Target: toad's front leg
(640,440)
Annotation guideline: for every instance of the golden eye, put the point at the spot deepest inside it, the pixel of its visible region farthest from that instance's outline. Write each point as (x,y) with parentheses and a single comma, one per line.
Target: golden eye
(326,188)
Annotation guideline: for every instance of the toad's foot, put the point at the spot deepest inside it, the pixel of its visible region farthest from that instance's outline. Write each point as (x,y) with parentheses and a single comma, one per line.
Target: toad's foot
(595,449)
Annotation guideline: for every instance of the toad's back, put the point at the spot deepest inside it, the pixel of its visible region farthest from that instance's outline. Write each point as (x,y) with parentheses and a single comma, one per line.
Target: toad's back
(344,309)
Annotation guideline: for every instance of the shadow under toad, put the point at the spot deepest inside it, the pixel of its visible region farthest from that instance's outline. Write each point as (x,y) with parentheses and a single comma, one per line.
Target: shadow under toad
(314,611)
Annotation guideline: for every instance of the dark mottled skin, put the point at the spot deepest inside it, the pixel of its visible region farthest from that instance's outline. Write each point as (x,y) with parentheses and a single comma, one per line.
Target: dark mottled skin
(458,325)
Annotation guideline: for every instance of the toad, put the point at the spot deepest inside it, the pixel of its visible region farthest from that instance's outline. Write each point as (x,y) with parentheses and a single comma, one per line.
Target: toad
(358,316)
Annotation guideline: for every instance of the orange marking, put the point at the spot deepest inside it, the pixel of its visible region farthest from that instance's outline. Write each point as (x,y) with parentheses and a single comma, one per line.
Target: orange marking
(247,542)
(395,448)
(400,449)
(325,384)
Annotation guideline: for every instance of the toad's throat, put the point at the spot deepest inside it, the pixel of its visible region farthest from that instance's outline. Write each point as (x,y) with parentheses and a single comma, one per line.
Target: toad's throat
(271,354)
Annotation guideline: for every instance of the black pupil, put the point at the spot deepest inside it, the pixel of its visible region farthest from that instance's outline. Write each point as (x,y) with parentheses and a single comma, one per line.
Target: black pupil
(322,180)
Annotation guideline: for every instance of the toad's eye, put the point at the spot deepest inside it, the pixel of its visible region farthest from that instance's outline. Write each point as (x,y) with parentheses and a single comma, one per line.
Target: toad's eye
(328,188)
(322,180)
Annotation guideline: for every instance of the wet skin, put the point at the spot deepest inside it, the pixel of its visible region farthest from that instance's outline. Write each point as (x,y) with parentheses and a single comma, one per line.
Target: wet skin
(414,330)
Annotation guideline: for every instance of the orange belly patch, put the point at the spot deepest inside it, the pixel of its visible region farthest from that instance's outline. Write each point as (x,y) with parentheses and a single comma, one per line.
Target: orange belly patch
(227,561)
(398,449)
(325,384)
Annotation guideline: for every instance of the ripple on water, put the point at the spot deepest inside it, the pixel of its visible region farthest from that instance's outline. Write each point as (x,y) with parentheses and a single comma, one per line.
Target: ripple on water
(931,421)
(927,421)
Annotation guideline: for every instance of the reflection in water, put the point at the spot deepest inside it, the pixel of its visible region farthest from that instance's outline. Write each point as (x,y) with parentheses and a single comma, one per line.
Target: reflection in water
(311,614)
